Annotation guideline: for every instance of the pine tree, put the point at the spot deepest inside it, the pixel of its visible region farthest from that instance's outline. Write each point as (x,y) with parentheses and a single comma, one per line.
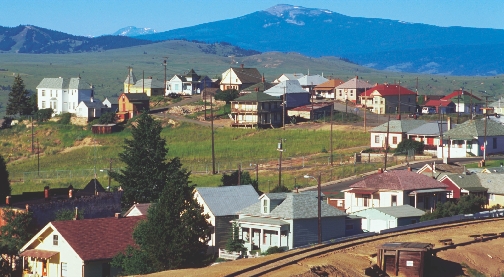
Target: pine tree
(19,99)
(142,180)
(5,188)
(234,243)
(176,232)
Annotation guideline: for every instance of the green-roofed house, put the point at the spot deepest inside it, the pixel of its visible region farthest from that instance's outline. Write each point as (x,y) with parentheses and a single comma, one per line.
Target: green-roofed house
(398,130)
(467,139)
(256,110)
(289,220)
(463,184)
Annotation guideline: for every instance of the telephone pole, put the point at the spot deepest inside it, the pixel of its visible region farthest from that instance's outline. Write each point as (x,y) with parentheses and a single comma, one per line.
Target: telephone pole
(164,64)
(213,148)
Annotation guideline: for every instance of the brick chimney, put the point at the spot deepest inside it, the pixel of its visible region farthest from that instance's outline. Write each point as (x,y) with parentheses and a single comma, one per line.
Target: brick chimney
(241,65)
(46,192)
(356,77)
(27,207)
(409,168)
(117,215)
(380,170)
(7,200)
(76,215)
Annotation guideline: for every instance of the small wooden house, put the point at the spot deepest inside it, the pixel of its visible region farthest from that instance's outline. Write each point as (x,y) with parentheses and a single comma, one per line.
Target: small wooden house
(131,104)
(103,128)
(403,258)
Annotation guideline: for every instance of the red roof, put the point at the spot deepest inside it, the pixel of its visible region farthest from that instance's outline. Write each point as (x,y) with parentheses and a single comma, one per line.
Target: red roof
(456,93)
(437,103)
(99,238)
(387,90)
(398,180)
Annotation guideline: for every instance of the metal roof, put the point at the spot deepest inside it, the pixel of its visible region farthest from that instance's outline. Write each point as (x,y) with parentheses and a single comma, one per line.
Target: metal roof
(228,200)
(262,221)
(257,97)
(399,126)
(311,80)
(401,211)
(289,86)
(475,128)
(62,83)
(355,83)
(429,128)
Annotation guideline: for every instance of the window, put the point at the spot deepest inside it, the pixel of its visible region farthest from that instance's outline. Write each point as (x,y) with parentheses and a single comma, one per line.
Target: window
(365,199)
(377,139)
(43,106)
(55,239)
(394,200)
(491,196)
(64,270)
(176,87)
(340,203)
(43,92)
(56,93)
(394,140)
(494,143)
(265,206)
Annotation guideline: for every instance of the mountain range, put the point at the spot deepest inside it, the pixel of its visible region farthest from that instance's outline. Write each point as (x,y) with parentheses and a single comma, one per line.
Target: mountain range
(375,43)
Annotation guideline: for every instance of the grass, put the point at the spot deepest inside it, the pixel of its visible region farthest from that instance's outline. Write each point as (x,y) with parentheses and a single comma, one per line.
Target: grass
(471,272)
(488,163)
(191,143)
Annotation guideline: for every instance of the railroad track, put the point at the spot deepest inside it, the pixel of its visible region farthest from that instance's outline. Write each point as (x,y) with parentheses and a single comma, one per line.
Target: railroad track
(293,258)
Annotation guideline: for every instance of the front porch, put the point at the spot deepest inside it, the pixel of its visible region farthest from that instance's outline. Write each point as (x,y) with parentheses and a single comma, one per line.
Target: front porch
(260,233)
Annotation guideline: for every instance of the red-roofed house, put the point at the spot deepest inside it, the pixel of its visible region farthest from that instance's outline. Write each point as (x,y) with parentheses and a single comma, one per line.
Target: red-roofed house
(79,247)
(465,101)
(395,188)
(441,105)
(385,98)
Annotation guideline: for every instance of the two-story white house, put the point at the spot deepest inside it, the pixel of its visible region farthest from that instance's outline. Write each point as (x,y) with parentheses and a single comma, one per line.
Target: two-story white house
(395,188)
(63,95)
(188,84)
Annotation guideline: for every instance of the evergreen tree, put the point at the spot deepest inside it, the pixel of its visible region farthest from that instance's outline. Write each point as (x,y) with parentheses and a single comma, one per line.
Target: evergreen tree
(176,232)
(5,188)
(19,99)
(234,243)
(143,178)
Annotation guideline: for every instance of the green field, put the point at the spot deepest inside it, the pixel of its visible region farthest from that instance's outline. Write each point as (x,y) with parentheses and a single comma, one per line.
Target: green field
(107,70)
(233,147)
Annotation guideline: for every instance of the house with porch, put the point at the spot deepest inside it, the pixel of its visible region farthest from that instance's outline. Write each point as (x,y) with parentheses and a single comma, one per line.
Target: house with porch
(376,219)
(429,133)
(239,78)
(465,102)
(351,89)
(188,84)
(463,184)
(385,98)
(328,89)
(395,188)
(63,95)
(398,130)
(221,213)
(79,247)
(288,220)
(257,109)
(295,95)
(468,139)
(131,104)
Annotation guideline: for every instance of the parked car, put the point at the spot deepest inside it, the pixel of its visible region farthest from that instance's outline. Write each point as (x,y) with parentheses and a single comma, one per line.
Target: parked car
(428,110)
(319,96)
(174,95)
(415,115)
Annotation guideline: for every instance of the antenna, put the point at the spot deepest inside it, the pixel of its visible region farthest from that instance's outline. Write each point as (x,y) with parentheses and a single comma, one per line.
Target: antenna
(232,59)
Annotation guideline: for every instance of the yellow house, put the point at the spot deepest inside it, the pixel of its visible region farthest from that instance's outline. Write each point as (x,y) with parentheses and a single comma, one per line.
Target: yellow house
(148,86)
(78,247)
(493,182)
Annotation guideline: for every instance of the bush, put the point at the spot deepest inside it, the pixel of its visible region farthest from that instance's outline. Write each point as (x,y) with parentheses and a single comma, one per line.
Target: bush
(43,114)
(65,118)
(408,144)
(280,189)
(467,204)
(273,250)
(107,118)
(227,95)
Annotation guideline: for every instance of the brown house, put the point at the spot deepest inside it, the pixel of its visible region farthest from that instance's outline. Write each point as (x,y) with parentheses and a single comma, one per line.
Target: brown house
(131,104)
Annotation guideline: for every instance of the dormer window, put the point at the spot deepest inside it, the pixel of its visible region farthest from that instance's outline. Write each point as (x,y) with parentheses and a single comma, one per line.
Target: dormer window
(265,206)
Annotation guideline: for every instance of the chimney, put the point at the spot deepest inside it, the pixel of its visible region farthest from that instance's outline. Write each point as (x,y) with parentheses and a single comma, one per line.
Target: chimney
(380,170)
(150,77)
(241,65)
(27,207)
(117,215)
(425,98)
(46,192)
(262,79)
(297,190)
(76,216)
(356,77)
(448,123)
(7,200)
(434,167)
(409,168)
(91,99)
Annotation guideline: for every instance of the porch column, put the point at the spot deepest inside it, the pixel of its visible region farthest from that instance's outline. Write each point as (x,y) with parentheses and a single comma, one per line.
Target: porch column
(465,145)
(250,236)
(416,200)
(372,200)
(279,238)
(262,238)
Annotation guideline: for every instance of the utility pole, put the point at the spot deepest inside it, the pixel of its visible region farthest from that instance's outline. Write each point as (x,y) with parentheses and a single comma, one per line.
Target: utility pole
(331,144)
(110,169)
(284,102)
(387,143)
(470,105)
(130,75)
(31,119)
(204,96)
(213,148)
(365,108)
(312,114)
(38,158)
(164,64)
(458,103)
(143,81)
(441,138)
(239,174)
(485,138)
(399,106)
(280,149)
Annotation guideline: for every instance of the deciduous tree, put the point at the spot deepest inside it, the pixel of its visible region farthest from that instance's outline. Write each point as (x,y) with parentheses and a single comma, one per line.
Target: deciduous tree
(245,179)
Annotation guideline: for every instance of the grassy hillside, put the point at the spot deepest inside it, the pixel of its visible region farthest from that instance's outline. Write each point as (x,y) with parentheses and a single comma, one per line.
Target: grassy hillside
(69,153)
(107,70)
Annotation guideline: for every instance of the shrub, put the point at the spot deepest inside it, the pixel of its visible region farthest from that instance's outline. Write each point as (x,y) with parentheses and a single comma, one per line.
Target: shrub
(280,189)
(107,118)
(274,250)
(408,144)
(43,114)
(65,118)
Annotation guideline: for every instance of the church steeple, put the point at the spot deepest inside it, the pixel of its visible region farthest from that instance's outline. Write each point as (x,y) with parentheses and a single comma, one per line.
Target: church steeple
(130,80)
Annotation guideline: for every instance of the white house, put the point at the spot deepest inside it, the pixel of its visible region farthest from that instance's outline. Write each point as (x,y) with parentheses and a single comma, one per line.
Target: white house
(377,219)
(63,95)
(288,76)
(79,247)
(351,89)
(90,109)
(398,130)
(239,78)
(188,84)
(309,82)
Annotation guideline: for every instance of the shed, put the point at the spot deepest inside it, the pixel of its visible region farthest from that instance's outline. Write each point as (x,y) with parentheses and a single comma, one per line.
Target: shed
(104,128)
(381,218)
(404,258)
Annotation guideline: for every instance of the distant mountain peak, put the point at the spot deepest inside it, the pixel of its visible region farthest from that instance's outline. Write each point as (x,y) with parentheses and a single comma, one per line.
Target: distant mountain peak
(290,13)
(132,31)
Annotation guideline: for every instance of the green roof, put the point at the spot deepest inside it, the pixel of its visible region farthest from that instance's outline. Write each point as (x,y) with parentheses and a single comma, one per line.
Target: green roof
(469,182)
(257,97)
(474,128)
(399,126)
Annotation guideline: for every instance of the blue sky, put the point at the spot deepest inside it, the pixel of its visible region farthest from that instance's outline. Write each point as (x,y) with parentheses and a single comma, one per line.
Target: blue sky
(98,17)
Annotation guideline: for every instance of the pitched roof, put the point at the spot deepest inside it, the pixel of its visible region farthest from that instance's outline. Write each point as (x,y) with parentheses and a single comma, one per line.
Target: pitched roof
(228,200)
(493,182)
(291,76)
(428,129)
(399,126)
(247,75)
(355,83)
(398,180)
(388,90)
(289,86)
(469,182)
(89,189)
(497,104)
(258,87)
(99,238)
(112,100)
(475,128)
(331,84)
(294,206)
(464,96)
(130,79)
(143,208)
(96,104)
(257,97)
(311,80)
(401,211)
(438,103)
(149,83)
(62,83)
